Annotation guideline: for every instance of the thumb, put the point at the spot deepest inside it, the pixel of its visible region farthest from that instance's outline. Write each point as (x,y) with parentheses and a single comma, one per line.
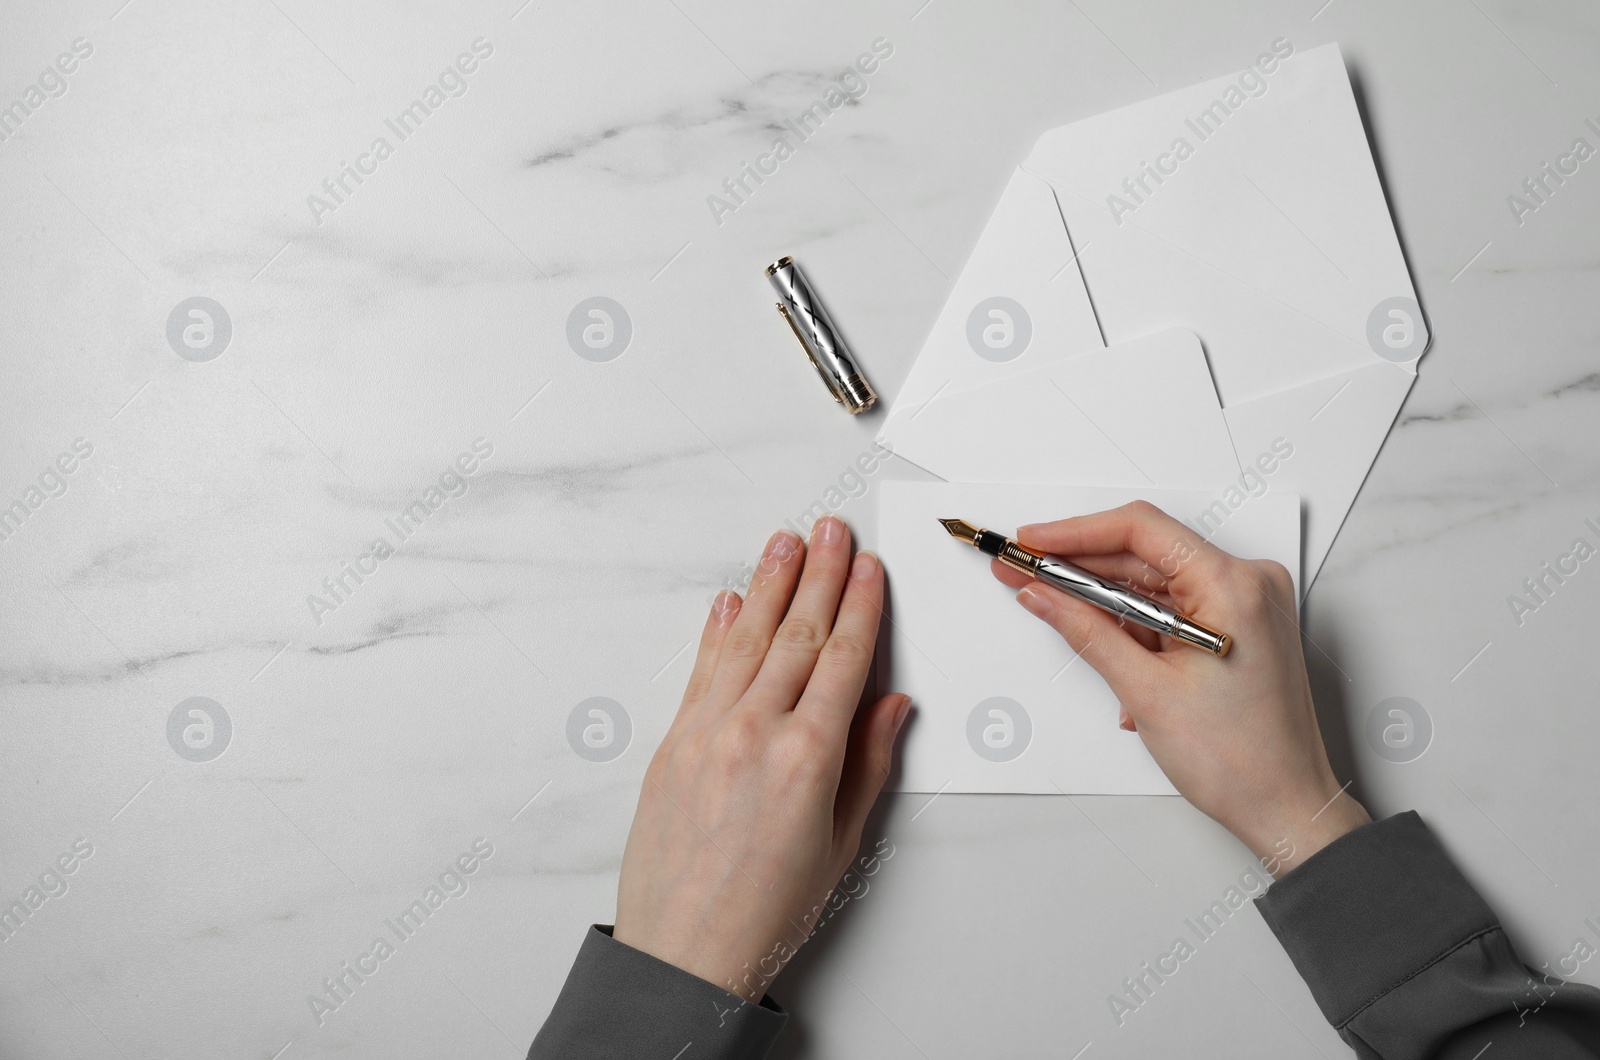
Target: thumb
(1094,634)
(866,766)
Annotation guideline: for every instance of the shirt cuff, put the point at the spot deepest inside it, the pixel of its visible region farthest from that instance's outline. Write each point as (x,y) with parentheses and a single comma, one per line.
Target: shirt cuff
(622,1002)
(1371,910)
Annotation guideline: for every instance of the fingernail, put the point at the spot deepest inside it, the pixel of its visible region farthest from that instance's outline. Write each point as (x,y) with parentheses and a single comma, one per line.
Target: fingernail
(829,530)
(1033,598)
(865,565)
(784,544)
(900,713)
(725,606)
(1123,721)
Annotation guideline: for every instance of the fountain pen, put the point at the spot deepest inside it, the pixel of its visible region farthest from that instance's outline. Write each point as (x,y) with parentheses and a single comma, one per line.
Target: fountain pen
(1075,581)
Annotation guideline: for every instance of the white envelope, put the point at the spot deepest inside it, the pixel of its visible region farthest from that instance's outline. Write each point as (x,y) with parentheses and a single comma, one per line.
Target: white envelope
(1019,303)
(1002,704)
(1249,210)
(1138,413)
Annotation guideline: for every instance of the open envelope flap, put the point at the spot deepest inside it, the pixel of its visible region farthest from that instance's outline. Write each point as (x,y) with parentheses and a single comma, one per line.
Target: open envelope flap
(1085,421)
(1247,208)
(1019,303)
(1318,440)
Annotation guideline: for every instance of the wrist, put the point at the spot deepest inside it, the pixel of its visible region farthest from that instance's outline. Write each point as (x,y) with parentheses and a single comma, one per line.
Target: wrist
(1293,837)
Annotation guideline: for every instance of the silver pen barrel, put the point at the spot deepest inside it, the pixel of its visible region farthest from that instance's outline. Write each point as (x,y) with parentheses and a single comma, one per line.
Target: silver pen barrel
(1125,603)
(1075,581)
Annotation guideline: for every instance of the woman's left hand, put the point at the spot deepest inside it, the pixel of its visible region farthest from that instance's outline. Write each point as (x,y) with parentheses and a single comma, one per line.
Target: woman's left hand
(753,806)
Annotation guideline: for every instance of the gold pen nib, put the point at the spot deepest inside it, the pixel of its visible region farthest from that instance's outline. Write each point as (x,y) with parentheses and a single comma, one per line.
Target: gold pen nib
(961,530)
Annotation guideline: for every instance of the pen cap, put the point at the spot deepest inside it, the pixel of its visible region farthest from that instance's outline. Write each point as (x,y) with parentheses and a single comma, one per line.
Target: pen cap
(832,358)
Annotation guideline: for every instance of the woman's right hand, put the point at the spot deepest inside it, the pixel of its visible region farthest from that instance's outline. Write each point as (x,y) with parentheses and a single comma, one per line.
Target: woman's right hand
(1236,735)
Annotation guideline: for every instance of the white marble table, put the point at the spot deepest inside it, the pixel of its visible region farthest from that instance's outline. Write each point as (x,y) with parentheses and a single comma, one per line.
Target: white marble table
(375,336)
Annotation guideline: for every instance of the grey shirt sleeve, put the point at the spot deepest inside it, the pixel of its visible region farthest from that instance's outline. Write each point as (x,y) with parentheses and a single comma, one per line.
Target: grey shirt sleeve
(1406,960)
(619,1003)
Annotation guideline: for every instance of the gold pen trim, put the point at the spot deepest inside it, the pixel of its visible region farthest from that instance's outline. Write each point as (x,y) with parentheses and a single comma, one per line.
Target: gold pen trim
(1016,557)
(1201,636)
